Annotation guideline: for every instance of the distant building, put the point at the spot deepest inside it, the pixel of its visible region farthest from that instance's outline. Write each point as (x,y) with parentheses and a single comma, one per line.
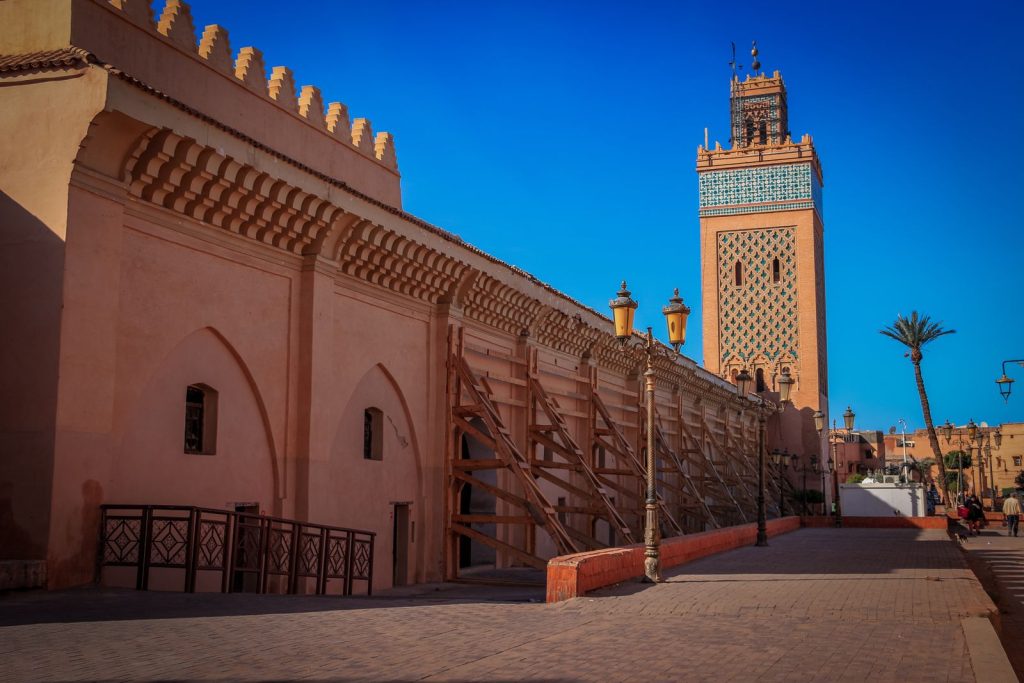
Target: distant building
(1007,459)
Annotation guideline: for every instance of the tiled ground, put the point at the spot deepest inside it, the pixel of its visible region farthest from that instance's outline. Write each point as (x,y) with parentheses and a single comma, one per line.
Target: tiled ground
(1004,557)
(818,604)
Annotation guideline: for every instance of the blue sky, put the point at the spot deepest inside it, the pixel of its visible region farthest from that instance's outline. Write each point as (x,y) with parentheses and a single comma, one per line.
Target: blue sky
(561,137)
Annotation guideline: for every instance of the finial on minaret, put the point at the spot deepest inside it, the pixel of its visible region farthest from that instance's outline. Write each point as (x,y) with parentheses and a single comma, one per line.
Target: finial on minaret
(753,53)
(733,65)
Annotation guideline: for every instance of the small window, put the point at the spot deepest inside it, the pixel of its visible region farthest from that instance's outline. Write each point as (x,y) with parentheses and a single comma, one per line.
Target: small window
(750,131)
(200,420)
(762,132)
(759,378)
(601,457)
(776,270)
(738,273)
(1016,461)
(373,434)
(547,455)
(563,517)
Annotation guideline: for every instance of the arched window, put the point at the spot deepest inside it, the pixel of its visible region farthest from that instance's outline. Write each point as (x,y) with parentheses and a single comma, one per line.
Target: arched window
(739,273)
(750,131)
(759,378)
(776,270)
(200,420)
(373,434)
(762,132)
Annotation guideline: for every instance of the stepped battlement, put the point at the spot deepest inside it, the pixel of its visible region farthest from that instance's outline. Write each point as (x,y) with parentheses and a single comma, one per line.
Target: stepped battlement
(203,71)
(788,152)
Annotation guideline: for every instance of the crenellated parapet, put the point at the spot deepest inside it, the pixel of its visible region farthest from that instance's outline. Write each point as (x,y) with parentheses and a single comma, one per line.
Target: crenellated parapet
(221,177)
(176,26)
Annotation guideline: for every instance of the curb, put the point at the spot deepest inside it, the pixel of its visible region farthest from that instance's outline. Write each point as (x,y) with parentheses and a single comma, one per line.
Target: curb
(988,659)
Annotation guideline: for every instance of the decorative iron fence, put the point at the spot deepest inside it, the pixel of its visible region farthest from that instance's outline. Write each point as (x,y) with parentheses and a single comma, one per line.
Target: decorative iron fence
(247,550)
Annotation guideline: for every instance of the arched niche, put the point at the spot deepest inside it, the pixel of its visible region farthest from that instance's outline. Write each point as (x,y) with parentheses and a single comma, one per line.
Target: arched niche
(152,463)
(348,489)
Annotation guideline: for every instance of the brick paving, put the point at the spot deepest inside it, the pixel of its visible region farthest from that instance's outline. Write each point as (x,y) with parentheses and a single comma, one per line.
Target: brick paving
(817,605)
(1003,556)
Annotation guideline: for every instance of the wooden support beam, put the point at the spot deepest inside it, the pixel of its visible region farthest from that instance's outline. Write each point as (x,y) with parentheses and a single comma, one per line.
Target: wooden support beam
(515,552)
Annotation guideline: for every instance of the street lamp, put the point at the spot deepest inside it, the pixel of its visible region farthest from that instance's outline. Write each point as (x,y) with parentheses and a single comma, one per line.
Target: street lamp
(804,468)
(623,312)
(743,380)
(786,383)
(906,468)
(947,430)
(971,431)
(819,423)
(779,458)
(1005,383)
(997,439)
(819,426)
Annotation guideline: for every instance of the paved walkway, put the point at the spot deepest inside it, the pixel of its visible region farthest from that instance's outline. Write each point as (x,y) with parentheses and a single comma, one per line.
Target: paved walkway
(817,605)
(1003,556)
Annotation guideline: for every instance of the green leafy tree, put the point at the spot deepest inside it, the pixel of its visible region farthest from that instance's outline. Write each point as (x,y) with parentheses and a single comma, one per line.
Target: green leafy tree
(957,461)
(954,460)
(924,469)
(915,333)
(855,478)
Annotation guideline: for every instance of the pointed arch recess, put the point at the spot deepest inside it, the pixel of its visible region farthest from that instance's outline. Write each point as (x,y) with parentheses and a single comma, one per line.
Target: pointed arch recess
(277,471)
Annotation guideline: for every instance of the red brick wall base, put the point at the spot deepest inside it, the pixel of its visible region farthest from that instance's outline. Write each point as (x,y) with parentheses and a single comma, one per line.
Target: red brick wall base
(571,576)
(893,522)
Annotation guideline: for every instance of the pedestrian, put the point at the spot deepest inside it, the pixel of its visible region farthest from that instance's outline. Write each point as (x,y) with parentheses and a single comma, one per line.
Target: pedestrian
(933,499)
(1011,508)
(975,514)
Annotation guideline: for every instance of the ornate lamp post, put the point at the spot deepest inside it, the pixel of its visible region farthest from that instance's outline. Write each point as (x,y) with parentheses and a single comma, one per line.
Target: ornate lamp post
(968,438)
(804,468)
(997,441)
(676,312)
(825,470)
(974,439)
(1005,383)
(947,431)
(819,423)
(779,458)
(762,511)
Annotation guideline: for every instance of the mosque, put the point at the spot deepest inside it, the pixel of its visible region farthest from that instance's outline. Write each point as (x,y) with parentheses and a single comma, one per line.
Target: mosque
(228,350)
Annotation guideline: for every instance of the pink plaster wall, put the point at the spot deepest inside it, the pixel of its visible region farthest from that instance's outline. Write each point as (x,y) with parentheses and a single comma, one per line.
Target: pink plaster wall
(34,173)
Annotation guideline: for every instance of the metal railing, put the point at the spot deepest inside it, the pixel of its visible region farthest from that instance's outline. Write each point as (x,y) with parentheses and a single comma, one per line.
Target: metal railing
(247,550)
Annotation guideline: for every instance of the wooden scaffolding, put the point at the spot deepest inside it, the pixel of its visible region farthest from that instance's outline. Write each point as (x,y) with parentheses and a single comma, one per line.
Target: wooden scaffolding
(564,454)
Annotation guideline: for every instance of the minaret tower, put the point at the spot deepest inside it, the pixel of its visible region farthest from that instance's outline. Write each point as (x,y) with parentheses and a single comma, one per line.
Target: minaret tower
(761,230)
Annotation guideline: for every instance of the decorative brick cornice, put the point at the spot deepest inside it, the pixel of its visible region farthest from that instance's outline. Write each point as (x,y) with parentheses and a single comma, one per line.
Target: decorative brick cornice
(179,174)
(382,257)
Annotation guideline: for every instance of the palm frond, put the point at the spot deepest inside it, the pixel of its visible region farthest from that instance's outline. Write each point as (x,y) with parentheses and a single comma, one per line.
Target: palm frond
(916,331)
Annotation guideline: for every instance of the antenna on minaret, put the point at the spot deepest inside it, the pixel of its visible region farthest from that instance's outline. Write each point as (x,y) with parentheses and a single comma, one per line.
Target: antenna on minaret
(733,65)
(753,53)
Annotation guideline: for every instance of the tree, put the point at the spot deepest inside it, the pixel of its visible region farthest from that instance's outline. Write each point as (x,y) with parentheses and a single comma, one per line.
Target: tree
(956,463)
(915,333)
(924,469)
(956,460)
(1019,480)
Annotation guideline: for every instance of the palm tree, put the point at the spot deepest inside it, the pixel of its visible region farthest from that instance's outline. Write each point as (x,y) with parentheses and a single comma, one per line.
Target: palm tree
(914,332)
(924,468)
